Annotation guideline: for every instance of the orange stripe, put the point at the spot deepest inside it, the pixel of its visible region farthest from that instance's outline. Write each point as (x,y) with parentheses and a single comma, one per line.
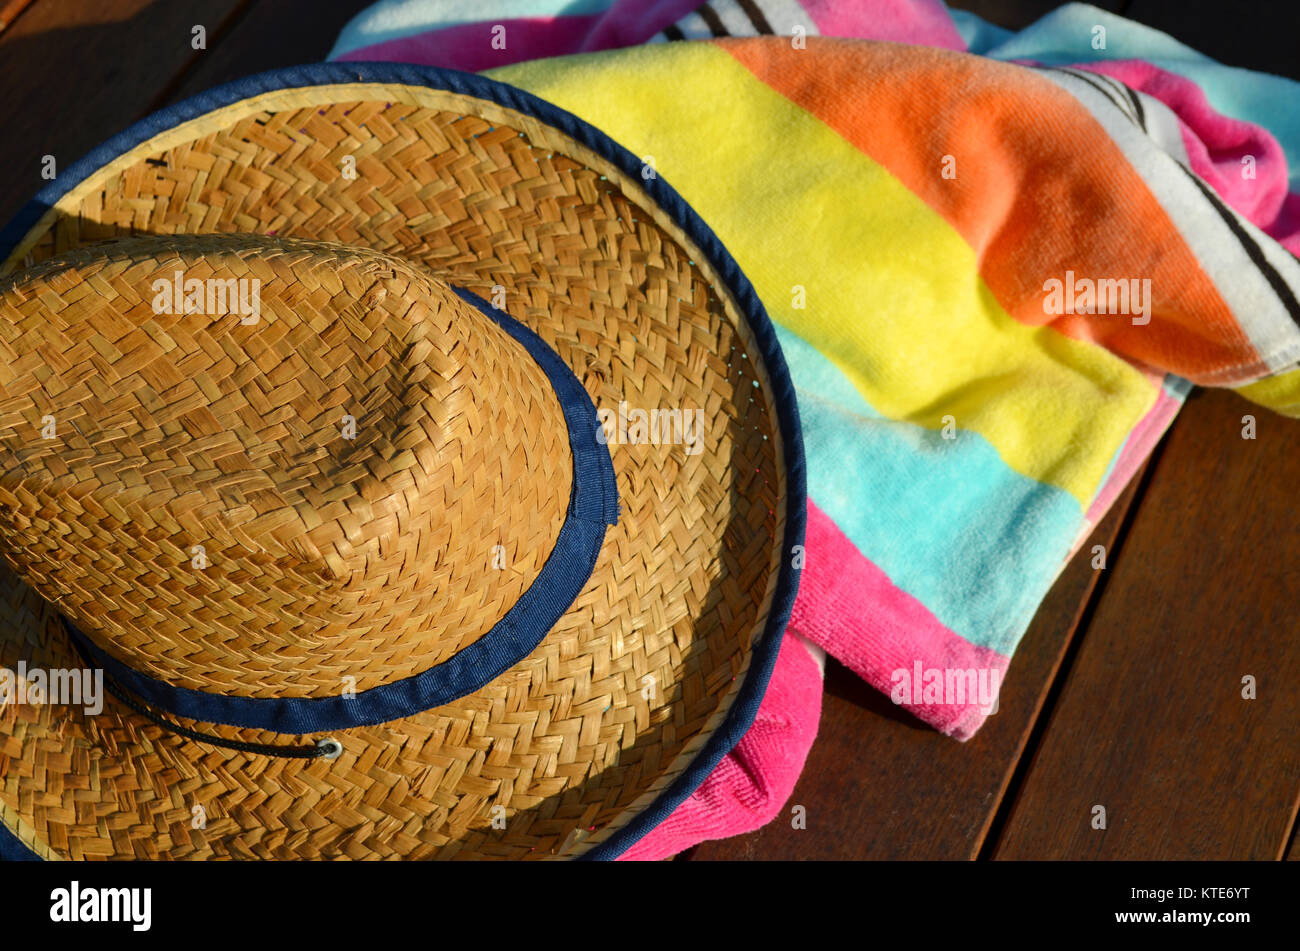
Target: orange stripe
(1040,188)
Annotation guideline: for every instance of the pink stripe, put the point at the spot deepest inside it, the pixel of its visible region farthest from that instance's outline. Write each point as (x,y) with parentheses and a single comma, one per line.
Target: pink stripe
(631,22)
(469,46)
(747,789)
(1136,449)
(851,608)
(919,22)
(1216,145)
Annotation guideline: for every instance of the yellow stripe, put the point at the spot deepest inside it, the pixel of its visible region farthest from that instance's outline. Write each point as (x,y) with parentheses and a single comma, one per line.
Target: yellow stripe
(893,293)
(1279,393)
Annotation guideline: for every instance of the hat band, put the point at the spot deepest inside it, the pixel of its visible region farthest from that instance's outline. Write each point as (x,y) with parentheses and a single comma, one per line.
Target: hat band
(593,505)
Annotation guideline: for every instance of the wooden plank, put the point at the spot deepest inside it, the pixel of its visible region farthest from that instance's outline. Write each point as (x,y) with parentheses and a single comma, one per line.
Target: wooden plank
(76,73)
(272,35)
(880,784)
(1225,30)
(10,10)
(1151,723)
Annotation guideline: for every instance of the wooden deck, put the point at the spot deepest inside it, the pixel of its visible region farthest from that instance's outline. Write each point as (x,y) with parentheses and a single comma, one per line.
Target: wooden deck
(1126,692)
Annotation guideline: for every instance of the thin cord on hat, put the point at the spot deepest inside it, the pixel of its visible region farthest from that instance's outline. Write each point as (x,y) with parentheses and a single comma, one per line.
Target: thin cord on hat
(327,748)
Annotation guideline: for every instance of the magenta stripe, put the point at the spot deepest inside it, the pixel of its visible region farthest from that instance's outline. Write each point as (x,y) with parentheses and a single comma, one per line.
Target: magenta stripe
(469,46)
(851,608)
(632,22)
(919,22)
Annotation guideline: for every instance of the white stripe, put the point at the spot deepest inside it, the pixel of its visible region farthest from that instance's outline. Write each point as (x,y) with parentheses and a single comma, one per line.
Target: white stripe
(1254,304)
(784,15)
(733,18)
(1163,128)
(1158,119)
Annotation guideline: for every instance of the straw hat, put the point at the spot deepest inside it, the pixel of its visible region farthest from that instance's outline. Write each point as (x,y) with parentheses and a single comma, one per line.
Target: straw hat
(422,474)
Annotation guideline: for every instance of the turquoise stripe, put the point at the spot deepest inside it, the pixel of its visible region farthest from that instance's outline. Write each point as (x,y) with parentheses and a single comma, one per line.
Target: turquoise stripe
(977,33)
(1177,387)
(394,19)
(946,519)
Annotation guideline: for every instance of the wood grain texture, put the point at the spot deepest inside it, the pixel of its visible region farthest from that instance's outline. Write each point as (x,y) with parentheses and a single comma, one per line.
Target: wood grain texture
(75,73)
(1151,723)
(270,35)
(880,784)
(10,10)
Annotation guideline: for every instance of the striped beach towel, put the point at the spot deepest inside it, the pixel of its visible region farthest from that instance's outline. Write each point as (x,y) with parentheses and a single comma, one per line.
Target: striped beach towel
(995,278)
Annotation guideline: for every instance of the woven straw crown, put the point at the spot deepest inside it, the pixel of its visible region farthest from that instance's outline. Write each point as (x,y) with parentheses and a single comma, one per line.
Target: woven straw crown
(342,471)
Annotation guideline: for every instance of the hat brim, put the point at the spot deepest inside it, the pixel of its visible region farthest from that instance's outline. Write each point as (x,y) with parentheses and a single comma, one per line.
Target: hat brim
(659,665)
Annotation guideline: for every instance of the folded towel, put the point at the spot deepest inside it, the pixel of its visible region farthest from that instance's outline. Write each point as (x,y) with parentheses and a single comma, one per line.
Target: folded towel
(994,284)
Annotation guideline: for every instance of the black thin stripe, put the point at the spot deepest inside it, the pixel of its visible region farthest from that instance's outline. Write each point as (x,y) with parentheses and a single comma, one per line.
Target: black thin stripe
(1137,106)
(673,33)
(1100,87)
(755,16)
(1099,84)
(711,18)
(1275,280)
(1138,113)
